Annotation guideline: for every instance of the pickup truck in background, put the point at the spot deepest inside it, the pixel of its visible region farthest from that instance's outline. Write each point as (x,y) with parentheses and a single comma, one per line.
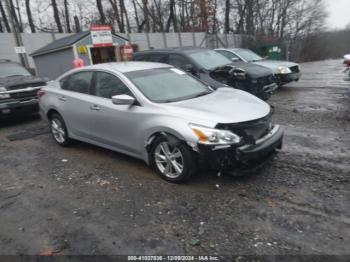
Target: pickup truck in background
(18,90)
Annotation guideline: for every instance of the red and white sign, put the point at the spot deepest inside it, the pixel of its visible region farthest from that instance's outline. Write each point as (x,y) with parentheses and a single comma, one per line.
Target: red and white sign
(101,36)
(128,51)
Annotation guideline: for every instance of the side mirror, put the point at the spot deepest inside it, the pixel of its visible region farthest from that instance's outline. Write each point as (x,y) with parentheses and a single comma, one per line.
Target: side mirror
(235,59)
(123,100)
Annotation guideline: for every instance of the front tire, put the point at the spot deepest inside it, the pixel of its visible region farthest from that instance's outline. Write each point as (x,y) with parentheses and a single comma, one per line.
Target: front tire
(59,130)
(172,160)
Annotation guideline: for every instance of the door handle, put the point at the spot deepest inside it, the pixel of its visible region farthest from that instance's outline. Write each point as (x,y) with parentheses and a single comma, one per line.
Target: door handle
(95,107)
(63,99)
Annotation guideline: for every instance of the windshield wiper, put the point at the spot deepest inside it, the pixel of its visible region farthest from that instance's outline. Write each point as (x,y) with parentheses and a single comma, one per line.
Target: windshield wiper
(15,75)
(202,94)
(186,98)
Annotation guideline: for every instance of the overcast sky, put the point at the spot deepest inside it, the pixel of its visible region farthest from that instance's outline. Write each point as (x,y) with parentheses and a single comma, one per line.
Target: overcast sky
(339,13)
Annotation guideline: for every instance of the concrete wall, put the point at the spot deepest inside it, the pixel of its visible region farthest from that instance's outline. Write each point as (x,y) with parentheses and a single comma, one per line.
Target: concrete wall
(164,40)
(145,41)
(54,64)
(31,42)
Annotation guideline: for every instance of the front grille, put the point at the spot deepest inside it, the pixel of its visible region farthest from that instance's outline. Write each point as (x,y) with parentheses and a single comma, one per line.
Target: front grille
(249,131)
(23,86)
(294,69)
(266,80)
(21,95)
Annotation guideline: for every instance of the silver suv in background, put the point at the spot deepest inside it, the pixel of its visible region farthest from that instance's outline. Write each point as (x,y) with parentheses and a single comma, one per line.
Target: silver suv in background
(162,115)
(284,71)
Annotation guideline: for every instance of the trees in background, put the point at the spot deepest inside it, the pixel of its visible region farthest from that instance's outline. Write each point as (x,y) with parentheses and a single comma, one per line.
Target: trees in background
(66,14)
(260,18)
(4,19)
(30,17)
(56,16)
(265,20)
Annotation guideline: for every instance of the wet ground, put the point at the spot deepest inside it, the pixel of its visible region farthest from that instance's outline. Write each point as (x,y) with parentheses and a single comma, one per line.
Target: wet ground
(88,200)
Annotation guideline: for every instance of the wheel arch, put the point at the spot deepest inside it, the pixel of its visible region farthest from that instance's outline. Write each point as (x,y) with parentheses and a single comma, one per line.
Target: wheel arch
(172,135)
(52,111)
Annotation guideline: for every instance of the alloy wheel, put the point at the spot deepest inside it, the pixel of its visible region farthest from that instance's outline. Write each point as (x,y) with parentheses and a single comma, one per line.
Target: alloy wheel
(58,131)
(169,160)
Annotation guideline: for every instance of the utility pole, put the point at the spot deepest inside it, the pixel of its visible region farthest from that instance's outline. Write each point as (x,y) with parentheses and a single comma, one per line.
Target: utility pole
(17,36)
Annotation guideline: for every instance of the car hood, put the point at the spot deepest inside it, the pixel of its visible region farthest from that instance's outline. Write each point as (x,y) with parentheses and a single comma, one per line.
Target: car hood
(225,105)
(253,70)
(20,80)
(274,64)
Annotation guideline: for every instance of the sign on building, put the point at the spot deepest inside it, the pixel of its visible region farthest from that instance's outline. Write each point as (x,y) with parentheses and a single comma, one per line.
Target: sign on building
(20,50)
(101,36)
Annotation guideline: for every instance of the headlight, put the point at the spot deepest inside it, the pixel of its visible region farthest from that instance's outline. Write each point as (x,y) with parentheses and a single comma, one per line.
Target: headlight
(239,73)
(284,70)
(210,136)
(3,96)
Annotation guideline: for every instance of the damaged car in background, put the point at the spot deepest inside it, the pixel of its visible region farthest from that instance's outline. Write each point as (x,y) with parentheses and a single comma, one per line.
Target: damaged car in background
(18,90)
(346,70)
(162,115)
(284,71)
(215,70)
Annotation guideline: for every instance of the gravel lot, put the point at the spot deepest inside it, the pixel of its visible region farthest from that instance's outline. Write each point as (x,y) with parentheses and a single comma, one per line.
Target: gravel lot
(88,200)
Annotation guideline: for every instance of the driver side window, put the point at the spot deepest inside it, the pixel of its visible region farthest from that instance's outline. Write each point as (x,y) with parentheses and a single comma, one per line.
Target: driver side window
(107,85)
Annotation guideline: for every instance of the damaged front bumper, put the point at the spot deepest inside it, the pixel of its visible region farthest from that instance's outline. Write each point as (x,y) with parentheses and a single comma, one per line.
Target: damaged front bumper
(14,108)
(229,157)
(267,91)
(287,78)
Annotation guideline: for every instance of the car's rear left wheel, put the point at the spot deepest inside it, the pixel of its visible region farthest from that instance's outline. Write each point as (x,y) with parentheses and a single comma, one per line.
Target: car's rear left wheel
(59,130)
(173,160)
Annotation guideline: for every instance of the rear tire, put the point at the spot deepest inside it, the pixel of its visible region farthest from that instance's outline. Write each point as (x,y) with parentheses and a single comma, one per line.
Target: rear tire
(59,130)
(172,159)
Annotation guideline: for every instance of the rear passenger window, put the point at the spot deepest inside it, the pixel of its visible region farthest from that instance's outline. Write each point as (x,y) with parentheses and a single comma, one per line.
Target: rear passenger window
(79,82)
(151,58)
(157,58)
(139,58)
(178,61)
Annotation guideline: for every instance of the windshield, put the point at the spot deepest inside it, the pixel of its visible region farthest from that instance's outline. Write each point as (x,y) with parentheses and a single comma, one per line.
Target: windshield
(11,69)
(209,59)
(164,85)
(248,55)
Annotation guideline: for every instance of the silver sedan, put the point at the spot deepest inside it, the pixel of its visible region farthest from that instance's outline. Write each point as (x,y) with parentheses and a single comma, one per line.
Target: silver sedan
(160,114)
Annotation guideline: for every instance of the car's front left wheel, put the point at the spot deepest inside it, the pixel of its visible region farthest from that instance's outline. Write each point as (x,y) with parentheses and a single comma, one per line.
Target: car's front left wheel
(173,160)
(59,130)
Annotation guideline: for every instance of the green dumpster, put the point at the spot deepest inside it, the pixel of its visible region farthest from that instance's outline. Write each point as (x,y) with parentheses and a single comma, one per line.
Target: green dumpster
(272,51)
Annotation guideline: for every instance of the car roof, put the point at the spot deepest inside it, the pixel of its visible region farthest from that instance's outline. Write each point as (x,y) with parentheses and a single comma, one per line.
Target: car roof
(125,67)
(172,50)
(231,49)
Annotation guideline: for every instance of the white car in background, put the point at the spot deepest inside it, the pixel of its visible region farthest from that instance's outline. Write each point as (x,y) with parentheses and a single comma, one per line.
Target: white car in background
(284,71)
